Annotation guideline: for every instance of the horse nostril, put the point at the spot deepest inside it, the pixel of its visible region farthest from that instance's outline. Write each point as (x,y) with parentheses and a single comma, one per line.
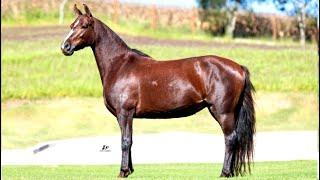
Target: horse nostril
(67,46)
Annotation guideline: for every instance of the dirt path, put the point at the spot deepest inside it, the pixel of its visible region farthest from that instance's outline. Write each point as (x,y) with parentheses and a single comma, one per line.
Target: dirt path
(54,32)
(173,147)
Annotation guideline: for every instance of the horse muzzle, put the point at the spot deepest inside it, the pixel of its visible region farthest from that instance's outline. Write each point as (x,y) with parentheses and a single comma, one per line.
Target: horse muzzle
(67,49)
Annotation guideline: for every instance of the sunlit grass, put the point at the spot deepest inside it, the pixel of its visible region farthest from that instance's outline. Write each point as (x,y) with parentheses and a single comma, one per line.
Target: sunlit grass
(33,70)
(261,170)
(43,120)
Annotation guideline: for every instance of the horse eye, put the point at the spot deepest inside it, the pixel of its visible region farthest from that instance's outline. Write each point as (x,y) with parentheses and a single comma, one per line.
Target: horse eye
(85,26)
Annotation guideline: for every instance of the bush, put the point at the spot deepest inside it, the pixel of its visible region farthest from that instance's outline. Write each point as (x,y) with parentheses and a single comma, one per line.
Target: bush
(251,25)
(213,21)
(256,25)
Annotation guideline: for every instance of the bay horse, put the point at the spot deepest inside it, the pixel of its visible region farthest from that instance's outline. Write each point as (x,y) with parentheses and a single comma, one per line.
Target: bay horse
(137,86)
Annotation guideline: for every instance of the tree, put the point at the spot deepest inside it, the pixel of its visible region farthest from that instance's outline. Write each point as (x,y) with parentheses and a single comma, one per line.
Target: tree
(211,4)
(229,6)
(299,8)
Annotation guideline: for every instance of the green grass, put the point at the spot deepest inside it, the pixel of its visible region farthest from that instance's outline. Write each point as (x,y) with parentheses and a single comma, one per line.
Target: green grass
(262,170)
(38,69)
(43,120)
(33,17)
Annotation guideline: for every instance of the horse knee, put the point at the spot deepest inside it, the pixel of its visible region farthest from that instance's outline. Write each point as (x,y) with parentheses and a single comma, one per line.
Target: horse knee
(227,123)
(126,144)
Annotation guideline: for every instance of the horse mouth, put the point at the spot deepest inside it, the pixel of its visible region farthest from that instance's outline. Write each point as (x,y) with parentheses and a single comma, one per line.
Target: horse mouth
(67,53)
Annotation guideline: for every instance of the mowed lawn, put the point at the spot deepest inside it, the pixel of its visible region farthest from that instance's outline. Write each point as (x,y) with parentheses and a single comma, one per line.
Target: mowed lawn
(51,119)
(262,170)
(38,69)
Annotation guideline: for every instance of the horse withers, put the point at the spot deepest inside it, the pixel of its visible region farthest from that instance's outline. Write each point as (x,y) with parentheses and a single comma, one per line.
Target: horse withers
(137,86)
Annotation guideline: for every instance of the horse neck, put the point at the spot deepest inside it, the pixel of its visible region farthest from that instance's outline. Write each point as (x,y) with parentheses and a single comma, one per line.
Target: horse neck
(108,45)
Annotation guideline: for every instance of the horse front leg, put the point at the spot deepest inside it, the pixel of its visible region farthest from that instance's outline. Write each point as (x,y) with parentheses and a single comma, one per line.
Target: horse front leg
(130,162)
(125,122)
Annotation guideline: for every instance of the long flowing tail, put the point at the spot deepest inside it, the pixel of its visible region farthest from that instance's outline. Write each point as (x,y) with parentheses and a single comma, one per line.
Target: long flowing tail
(245,129)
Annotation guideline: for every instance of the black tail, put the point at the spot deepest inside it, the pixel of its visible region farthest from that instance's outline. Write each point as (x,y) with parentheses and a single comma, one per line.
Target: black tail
(245,129)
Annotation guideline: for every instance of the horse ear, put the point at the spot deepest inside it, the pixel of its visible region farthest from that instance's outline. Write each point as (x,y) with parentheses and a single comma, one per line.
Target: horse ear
(87,10)
(76,10)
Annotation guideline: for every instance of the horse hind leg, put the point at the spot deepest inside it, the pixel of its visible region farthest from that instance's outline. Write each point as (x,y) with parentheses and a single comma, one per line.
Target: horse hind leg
(238,129)
(238,126)
(227,123)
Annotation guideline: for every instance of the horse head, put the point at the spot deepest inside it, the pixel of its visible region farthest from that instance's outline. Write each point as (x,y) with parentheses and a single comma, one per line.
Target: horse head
(81,34)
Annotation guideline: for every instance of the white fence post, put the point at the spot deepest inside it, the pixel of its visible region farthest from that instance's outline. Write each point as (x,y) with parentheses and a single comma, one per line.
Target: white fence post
(61,11)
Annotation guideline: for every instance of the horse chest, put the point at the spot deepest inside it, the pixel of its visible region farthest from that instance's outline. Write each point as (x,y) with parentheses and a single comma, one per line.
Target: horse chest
(121,96)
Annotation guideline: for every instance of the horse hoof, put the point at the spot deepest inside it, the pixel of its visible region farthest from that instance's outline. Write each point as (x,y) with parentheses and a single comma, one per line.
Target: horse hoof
(125,173)
(224,174)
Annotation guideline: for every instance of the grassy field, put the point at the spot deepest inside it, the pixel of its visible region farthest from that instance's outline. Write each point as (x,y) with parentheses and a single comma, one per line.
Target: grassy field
(265,170)
(51,74)
(38,81)
(73,117)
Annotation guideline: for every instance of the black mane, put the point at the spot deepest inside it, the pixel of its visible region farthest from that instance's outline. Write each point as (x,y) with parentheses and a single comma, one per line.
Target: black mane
(140,52)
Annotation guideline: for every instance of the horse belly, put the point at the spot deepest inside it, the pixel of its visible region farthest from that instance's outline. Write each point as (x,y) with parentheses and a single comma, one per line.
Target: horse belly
(172,113)
(169,102)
